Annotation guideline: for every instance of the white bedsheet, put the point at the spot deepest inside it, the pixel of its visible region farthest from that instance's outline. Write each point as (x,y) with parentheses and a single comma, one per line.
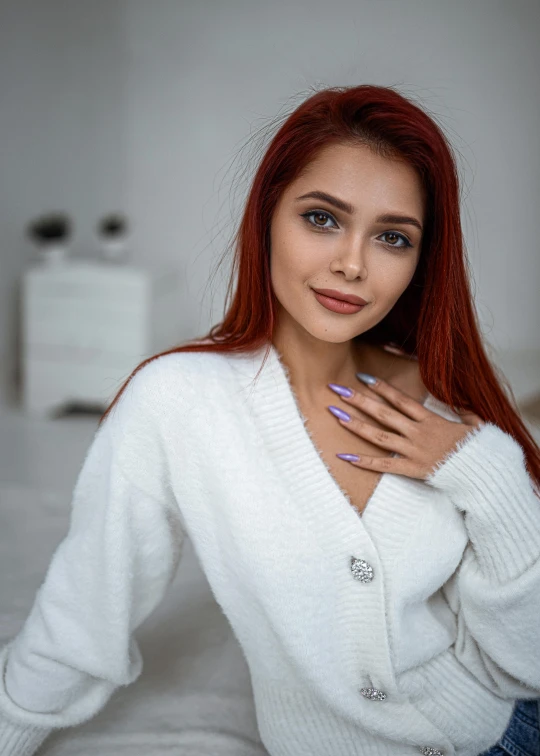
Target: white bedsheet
(194,695)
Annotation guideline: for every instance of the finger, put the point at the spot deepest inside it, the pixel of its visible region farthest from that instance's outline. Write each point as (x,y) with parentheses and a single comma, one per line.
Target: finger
(378,436)
(393,465)
(402,402)
(383,413)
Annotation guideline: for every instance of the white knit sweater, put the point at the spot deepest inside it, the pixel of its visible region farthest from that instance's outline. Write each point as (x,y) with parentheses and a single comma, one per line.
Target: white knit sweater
(448,626)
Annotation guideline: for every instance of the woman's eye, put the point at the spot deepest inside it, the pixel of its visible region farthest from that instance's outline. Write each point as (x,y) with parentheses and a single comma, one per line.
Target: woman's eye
(318,214)
(324,216)
(404,239)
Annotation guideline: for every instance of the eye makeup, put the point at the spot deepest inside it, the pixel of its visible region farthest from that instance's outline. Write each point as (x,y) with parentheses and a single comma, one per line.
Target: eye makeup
(307,215)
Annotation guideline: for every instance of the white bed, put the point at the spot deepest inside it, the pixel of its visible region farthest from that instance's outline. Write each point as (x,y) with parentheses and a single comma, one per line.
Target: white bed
(194,696)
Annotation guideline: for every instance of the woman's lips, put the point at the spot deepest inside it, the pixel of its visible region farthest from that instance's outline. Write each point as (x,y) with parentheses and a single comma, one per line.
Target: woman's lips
(337,305)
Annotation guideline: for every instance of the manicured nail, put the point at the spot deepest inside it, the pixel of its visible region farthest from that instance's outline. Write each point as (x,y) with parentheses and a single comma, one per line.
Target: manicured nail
(341,390)
(366,378)
(339,413)
(349,457)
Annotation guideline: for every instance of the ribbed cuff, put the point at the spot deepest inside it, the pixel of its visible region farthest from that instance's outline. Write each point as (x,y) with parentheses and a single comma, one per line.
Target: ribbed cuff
(18,739)
(486,478)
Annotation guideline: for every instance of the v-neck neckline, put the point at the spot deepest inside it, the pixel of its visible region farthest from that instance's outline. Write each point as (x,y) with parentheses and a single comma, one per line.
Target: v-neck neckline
(307,472)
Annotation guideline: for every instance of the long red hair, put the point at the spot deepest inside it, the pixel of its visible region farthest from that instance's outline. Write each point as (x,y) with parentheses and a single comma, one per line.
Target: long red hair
(435,317)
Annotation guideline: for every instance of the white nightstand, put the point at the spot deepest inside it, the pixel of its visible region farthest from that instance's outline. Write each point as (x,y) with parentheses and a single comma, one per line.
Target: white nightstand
(87,324)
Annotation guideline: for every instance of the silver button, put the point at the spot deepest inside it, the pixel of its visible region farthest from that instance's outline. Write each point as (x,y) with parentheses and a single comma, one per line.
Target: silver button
(373,694)
(361,570)
(428,751)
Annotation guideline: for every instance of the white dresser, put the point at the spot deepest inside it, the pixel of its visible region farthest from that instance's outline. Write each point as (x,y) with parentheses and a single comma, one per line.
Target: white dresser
(86,325)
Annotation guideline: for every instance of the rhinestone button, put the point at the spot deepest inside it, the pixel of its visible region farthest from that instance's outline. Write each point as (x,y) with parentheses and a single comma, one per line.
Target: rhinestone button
(373,694)
(361,570)
(428,751)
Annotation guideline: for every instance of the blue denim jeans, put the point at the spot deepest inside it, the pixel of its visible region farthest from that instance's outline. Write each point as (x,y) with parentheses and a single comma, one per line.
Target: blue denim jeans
(522,736)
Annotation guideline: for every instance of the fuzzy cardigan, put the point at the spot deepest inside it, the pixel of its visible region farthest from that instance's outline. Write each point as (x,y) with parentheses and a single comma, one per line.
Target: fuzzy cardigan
(411,629)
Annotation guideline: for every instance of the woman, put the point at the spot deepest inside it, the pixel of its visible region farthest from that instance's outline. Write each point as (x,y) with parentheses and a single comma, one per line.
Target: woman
(368,522)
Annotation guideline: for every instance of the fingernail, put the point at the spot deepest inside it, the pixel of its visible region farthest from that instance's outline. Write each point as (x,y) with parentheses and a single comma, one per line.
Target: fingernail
(366,378)
(341,390)
(339,413)
(349,457)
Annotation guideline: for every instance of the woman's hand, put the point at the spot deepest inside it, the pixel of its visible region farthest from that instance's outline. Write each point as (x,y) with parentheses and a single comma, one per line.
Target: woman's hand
(421,437)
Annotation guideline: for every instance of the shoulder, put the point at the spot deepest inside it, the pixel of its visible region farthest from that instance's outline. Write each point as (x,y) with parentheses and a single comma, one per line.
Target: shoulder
(412,380)
(147,387)
(157,400)
(175,369)
(177,379)
(405,375)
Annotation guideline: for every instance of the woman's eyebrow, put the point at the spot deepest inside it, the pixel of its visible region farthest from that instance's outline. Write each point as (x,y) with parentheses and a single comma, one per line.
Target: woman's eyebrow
(346,208)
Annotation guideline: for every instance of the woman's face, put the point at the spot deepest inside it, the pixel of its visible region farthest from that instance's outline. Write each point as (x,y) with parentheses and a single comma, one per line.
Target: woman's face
(315,244)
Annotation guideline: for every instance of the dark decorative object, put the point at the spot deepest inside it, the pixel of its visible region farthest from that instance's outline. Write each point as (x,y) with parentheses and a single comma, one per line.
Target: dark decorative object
(112,226)
(50,229)
(51,232)
(112,232)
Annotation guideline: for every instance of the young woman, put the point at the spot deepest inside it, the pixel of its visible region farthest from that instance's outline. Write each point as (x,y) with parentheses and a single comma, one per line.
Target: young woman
(368,518)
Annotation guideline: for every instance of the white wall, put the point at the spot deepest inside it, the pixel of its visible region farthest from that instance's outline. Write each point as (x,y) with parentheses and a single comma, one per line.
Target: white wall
(202,75)
(62,128)
(146,104)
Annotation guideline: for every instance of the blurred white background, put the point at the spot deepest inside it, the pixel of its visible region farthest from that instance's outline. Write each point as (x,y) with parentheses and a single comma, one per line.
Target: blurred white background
(143,108)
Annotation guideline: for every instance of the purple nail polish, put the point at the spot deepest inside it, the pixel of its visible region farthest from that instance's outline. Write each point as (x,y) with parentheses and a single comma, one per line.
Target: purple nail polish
(349,457)
(339,413)
(341,390)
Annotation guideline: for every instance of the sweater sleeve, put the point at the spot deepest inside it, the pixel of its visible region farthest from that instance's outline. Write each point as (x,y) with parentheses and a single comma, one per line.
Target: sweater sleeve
(495,592)
(111,570)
